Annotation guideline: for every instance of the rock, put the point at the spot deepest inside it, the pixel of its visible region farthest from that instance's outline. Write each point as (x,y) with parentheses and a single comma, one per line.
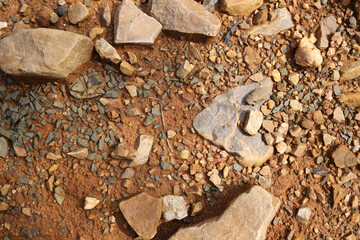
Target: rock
(20,151)
(174,207)
(133,26)
(90,203)
(298,150)
(215,179)
(218,123)
(187,16)
(26,211)
(128,173)
(196,208)
(318,117)
(241,7)
(3,25)
(258,95)
(307,55)
(143,146)
(106,51)
(281,147)
(253,122)
(132,90)
(338,194)
(4,189)
(77,12)
(124,151)
(343,157)
(261,17)
(350,71)
(43,53)
(96,31)
(293,78)
(276,75)
(81,153)
(132,112)
(303,215)
(295,105)
(59,195)
(281,22)
(327,27)
(338,115)
(184,69)
(106,16)
(126,68)
(328,139)
(4,148)
(247,217)
(87,86)
(3,206)
(53,156)
(143,213)
(184,154)
(171,134)
(252,58)
(43,18)
(307,123)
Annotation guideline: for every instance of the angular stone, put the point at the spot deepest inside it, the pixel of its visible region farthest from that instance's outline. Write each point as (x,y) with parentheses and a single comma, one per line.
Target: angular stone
(128,173)
(20,151)
(218,123)
(126,68)
(350,71)
(303,214)
(132,90)
(261,17)
(343,157)
(81,153)
(186,16)
(184,154)
(90,203)
(53,156)
(44,53)
(253,122)
(143,146)
(4,147)
(241,7)
(184,69)
(59,195)
(307,55)
(298,150)
(133,26)
(106,16)
(338,115)
(4,206)
(77,12)
(258,95)
(123,151)
(174,207)
(327,27)
(247,217)
(281,22)
(143,213)
(328,139)
(87,86)
(106,51)
(132,112)
(296,105)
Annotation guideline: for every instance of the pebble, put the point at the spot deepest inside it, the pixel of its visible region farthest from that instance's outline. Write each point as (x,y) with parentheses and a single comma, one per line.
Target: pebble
(81,153)
(174,207)
(293,78)
(59,195)
(26,211)
(77,12)
(276,76)
(3,25)
(296,105)
(343,157)
(338,115)
(90,203)
(4,206)
(184,154)
(184,69)
(253,122)
(132,90)
(4,148)
(281,147)
(126,68)
(171,134)
(303,215)
(328,139)
(307,55)
(128,173)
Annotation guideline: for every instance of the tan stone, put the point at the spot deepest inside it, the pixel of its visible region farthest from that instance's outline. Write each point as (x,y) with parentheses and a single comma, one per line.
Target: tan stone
(143,146)
(184,69)
(143,213)
(133,26)
(126,68)
(77,12)
(81,153)
(307,55)
(343,157)
(253,122)
(106,51)
(187,16)
(350,71)
(247,217)
(44,53)
(241,7)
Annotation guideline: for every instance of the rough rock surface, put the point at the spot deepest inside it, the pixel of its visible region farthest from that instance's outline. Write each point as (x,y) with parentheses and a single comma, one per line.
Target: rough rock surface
(282,22)
(134,26)
(44,53)
(241,7)
(219,124)
(143,213)
(327,27)
(106,51)
(186,16)
(247,217)
(350,71)
(343,157)
(174,207)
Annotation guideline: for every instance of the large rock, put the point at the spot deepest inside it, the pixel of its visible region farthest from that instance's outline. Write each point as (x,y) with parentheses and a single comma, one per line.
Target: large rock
(134,26)
(44,53)
(143,213)
(327,27)
(186,16)
(282,22)
(241,7)
(219,124)
(247,217)
(350,71)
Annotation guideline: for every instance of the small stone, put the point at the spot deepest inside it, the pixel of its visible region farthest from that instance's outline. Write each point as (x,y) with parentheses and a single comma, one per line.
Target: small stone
(327,27)
(276,75)
(132,112)
(3,25)
(77,12)
(90,203)
(281,147)
(4,148)
(106,51)
(106,16)
(96,31)
(303,215)
(293,78)
(53,156)
(61,10)
(143,213)
(307,55)
(4,206)
(352,22)
(184,154)
(335,75)
(338,115)
(174,207)
(253,122)
(171,134)
(241,7)
(143,146)
(128,173)
(123,151)
(196,208)
(20,151)
(343,157)
(126,68)
(26,211)
(4,189)
(328,139)
(298,150)
(132,90)
(261,17)
(295,105)
(268,125)
(257,77)
(81,153)
(318,117)
(184,69)
(350,71)
(307,123)
(43,18)
(59,195)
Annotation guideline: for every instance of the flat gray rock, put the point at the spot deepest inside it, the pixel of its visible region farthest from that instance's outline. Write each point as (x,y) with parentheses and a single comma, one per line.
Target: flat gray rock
(4,148)
(218,123)
(247,218)
(44,53)
(282,21)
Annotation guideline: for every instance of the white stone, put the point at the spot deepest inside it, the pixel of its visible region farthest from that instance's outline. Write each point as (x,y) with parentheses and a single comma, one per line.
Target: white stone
(132,90)
(90,203)
(303,214)
(174,207)
(3,25)
(253,122)
(296,105)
